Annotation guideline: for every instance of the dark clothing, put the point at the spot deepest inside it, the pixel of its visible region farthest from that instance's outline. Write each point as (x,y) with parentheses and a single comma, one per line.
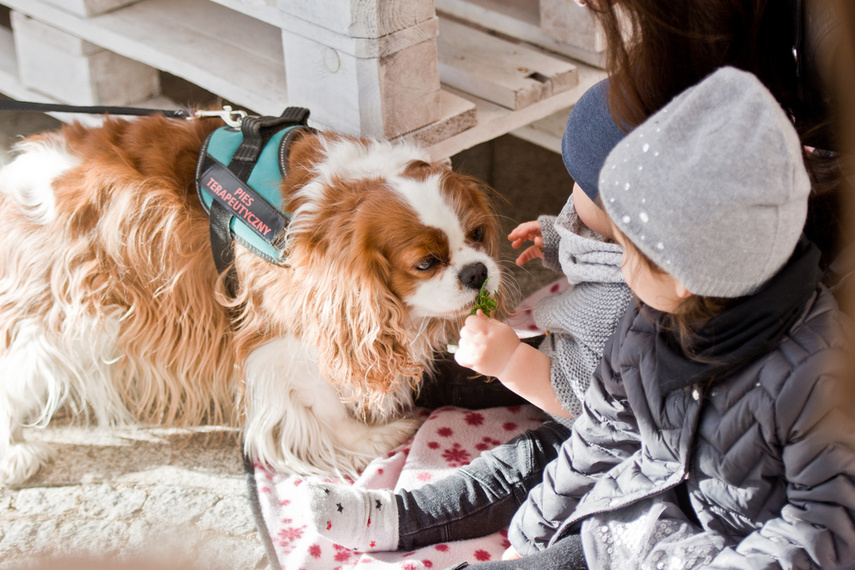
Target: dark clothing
(766,449)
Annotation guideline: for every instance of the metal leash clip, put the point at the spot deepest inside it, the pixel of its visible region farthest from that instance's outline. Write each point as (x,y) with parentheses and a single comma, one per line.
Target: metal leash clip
(231,117)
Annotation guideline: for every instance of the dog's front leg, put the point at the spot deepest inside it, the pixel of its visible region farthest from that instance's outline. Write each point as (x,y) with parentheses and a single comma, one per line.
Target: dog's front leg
(32,387)
(42,370)
(297,423)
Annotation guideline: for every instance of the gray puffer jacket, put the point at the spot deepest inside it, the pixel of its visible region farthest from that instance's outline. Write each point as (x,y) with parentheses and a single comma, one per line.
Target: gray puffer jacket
(766,458)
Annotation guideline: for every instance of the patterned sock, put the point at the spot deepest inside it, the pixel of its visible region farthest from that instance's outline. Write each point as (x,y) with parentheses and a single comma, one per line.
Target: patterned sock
(360,519)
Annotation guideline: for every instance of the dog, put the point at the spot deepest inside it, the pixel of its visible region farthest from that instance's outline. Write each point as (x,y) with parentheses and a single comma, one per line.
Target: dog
(111,305)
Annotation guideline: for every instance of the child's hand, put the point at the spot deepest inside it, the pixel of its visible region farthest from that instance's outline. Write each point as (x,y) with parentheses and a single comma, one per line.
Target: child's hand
(486,345)
(529,231)
(510,554)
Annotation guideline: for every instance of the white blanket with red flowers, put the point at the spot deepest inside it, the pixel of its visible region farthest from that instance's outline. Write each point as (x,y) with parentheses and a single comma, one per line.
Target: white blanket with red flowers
(449,439)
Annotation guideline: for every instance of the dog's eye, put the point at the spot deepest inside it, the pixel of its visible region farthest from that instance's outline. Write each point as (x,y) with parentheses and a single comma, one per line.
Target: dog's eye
(477,234)
(426,263)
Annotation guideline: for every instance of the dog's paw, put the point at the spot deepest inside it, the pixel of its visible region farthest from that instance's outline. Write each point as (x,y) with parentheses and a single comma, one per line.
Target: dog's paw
(20,461)
(368,442)
(383,438)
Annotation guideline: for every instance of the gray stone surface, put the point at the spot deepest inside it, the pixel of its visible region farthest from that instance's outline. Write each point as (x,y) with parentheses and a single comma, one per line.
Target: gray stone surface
(134,494)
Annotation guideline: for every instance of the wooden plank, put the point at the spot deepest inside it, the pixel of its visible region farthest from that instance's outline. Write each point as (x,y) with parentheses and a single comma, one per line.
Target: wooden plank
(377,86)
(457,115)
(364,47)
(525,12)
(11,86)
(267,11)
(565,21)
(264,10)
(90,7)
(518,20)
(76,72)
(494,121)
(380,97)
(227,53)
(361,18)
(546,132)
(51,37)
(511,74)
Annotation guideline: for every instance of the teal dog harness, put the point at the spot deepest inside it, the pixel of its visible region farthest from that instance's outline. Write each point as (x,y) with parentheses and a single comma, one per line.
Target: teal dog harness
(238,178)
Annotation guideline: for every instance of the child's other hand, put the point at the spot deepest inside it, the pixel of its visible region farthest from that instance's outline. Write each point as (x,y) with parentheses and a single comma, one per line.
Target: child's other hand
(529,231)
(486,345)
(510,554)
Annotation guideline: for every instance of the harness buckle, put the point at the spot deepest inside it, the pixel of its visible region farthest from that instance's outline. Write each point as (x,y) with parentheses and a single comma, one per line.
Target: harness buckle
(231,117)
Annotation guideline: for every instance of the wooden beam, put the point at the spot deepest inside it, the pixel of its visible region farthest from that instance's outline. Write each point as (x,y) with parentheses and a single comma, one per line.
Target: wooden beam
(510,74)
(519,20)
(494,121)
(370,19)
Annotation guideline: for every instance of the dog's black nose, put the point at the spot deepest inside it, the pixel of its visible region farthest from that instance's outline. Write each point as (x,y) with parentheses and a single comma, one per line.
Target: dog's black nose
(473,276)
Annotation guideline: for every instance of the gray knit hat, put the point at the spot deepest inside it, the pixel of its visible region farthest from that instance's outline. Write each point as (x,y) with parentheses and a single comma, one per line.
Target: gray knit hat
(712,187)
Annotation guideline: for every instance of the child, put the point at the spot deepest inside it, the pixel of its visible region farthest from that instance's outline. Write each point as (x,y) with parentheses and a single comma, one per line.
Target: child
(482,496)
(719,428)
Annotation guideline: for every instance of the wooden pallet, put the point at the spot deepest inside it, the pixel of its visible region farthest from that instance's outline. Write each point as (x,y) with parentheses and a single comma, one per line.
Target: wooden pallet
(560,26)
(367,74)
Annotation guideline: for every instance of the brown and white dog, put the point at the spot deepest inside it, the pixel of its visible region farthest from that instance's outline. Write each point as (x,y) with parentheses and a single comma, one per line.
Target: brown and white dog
(110,303)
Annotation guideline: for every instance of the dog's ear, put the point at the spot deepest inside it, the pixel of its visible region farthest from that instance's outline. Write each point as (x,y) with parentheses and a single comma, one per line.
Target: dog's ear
(360,328)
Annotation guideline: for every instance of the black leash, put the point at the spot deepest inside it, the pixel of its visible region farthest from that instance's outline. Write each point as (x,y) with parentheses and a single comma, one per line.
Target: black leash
(230,116)
(13,105)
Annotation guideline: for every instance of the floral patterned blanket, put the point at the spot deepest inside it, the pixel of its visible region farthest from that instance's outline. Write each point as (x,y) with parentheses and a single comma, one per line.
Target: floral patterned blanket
(448,439)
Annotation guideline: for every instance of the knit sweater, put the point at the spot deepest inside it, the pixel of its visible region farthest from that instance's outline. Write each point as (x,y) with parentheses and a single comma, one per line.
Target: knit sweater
(581,319)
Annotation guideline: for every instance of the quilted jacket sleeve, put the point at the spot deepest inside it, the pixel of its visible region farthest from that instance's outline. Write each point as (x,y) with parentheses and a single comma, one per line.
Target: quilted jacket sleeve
(604,435)
(816,422)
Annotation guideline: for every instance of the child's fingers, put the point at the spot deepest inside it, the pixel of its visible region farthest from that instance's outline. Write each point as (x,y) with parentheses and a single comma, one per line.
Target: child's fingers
(532,252)
(525,232)
(516,244)
(474,324)
(520,231)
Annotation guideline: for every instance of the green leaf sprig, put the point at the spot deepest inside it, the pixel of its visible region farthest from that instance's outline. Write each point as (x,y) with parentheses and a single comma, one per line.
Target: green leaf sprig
(484,300)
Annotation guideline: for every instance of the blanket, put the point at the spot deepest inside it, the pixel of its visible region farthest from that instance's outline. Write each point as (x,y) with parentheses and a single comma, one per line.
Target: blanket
(448,439)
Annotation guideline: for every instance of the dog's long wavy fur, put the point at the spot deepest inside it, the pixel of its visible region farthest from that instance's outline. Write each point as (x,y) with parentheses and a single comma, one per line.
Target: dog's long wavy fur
(107,282)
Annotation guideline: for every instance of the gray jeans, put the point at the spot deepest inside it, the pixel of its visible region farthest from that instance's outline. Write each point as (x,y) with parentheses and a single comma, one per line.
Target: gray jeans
(482,497)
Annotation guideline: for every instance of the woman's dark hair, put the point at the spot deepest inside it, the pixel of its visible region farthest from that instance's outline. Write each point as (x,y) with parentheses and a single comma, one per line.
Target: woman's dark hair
(656,49)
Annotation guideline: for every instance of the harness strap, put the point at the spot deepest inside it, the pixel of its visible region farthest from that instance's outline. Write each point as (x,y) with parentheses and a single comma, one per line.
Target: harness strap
(222,245)
(256,132)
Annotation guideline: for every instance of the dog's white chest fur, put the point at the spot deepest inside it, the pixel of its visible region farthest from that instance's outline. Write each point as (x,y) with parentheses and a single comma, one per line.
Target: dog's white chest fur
(289,398)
